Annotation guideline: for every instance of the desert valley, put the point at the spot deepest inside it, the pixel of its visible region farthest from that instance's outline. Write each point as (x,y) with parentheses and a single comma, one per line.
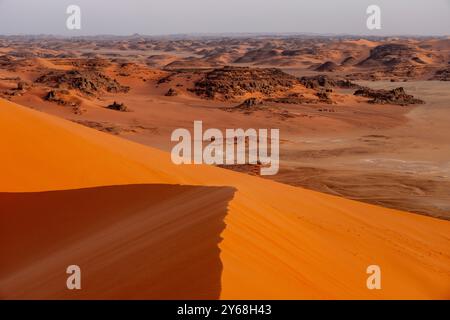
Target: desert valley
(362,119)
(355,115)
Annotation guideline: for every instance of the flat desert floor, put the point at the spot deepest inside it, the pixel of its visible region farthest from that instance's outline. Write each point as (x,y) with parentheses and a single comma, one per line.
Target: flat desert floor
(402,162)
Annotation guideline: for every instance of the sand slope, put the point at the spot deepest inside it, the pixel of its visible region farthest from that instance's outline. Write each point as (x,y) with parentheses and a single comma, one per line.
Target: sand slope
(133,241)
(141,227)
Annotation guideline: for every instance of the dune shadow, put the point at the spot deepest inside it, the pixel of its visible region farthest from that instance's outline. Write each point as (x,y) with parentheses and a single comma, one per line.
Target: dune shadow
(152,241)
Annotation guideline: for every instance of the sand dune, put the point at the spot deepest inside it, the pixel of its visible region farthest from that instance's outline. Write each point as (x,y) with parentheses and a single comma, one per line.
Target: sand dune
(162,241)
(141,227)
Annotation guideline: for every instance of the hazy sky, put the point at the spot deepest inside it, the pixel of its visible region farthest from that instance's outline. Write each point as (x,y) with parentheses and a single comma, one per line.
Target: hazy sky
(156,17)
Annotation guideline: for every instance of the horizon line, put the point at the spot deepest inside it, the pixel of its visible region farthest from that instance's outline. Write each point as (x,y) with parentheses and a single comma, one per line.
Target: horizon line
(225,34)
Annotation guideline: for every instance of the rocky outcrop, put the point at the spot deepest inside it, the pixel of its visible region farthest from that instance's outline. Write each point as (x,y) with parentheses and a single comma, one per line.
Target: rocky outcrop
(91,63)
(118,107)
(88,82)
(328,66)
(22,86)
(248,106)
(171,93)
(231,82)
(324,81)
(388,55)
(257,55)
(64,98)
(19,90)
(293,98)
(349,61)
(397,96)
(6,61)
(324,97)
(442,75)
(402,61)
(251,102)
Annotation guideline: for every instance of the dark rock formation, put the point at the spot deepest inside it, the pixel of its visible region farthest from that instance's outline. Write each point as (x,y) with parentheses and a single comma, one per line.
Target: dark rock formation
(349,61)
(388,55)
(293,98)
(231,82)
(442,75)
(250,102)
(328,66)
(248,106)
(323,81)
(396,96)
(62,97)
(171,93)
(22,85)
(118,107)
(324,97)
(257,55)
(86,81)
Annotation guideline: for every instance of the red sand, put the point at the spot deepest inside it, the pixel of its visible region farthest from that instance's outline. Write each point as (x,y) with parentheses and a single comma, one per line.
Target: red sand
(141,227)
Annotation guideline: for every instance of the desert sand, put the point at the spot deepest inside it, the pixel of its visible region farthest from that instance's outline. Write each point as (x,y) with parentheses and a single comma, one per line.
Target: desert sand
(141,227)
(388,153)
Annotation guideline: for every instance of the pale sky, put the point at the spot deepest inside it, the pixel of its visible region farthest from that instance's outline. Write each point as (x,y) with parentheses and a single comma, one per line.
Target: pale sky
(161,17)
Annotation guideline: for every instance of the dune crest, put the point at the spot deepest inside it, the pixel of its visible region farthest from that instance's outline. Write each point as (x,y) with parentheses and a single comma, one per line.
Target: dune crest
(132,241)
(276,241)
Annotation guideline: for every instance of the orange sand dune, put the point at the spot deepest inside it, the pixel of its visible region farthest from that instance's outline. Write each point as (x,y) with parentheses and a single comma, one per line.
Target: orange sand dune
(141,227)
(132,241)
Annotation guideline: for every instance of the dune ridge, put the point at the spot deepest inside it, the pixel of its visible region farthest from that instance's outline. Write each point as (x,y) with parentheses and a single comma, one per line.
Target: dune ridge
(107,235)
(277,242)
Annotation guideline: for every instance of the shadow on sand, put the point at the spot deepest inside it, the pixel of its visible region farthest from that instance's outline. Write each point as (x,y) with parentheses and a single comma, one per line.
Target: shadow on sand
(130,241)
